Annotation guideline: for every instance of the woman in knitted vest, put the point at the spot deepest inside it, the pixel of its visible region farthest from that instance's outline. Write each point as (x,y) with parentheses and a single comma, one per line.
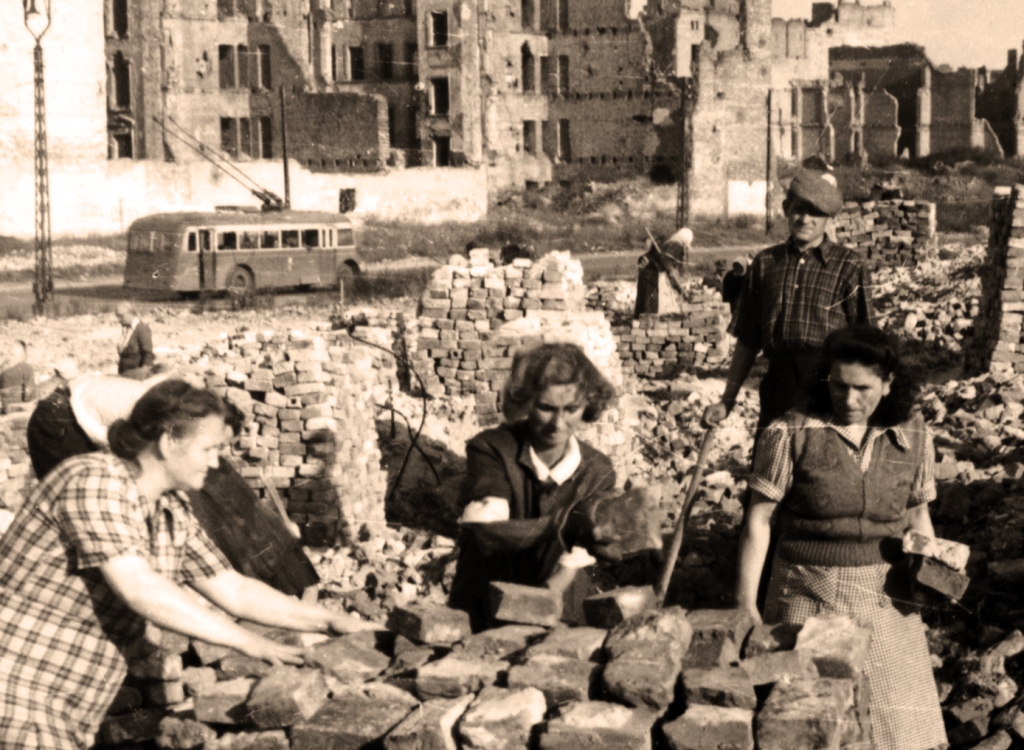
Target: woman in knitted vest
(844,479)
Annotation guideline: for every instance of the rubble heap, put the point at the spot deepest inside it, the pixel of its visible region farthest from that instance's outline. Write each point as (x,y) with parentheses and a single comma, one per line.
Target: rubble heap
(669,677)
(887,233)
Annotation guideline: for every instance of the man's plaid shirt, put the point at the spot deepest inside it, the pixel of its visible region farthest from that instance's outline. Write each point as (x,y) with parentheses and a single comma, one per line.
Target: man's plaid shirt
(61,625)
(791,300)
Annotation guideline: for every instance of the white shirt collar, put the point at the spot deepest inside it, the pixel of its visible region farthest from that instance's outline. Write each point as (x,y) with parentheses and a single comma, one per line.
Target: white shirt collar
(561,471)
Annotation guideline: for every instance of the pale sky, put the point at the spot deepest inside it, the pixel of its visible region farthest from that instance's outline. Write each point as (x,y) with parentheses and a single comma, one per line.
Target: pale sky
(955,32)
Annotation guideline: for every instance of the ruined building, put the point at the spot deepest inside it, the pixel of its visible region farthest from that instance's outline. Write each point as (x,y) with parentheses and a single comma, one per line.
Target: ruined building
(1001,101)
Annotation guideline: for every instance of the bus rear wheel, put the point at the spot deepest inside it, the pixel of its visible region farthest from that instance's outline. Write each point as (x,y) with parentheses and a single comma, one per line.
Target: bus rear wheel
(241,281)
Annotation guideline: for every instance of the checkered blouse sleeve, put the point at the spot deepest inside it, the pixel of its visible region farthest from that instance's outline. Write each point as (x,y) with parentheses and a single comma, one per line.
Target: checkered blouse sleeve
(923,490)
(202,559)
(772,474)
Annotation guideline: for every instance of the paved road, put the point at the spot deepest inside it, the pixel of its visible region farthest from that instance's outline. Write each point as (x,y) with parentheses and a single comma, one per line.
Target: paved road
(102,293)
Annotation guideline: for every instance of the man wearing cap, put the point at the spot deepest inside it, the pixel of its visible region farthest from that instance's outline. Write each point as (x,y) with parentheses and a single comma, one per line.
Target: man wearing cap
(794,295)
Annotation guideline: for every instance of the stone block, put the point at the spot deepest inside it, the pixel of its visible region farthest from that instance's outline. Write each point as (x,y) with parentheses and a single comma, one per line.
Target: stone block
(713,652)
(430,727)
(729,687)
(453,677)
(670,623)
(938,577)
(804,715)
(209,653)
(164,693)
(595,725)
(711,728)
(434,624)
(224,703)
(561,679)
(159,665)
(138,726)
(772,666)
(837,644)
(583,643)
(287,696)
(348,660)
(239,665)
(183,734)
(498,643)
(501,719)
(198,679)
(528,605)
(357,716)
(949,553)
(645,679)
(608,609)
(968,732)
(764,638)
(713,624)
(275,739)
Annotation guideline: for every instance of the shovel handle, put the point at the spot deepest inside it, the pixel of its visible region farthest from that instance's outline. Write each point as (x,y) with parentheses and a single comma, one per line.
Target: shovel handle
(691,492)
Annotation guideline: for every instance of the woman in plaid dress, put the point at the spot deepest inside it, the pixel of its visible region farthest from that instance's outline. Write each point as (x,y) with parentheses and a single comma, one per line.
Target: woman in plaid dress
(105,543)
(844,479)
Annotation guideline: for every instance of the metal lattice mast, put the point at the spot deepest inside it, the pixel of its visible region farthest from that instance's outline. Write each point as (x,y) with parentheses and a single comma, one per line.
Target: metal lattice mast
(43,285)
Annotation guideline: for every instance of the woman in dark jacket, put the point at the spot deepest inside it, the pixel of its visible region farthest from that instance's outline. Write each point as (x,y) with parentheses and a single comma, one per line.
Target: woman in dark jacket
(531,487)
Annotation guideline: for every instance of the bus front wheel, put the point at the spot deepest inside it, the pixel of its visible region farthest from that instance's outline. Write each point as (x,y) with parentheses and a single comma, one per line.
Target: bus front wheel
(241,281)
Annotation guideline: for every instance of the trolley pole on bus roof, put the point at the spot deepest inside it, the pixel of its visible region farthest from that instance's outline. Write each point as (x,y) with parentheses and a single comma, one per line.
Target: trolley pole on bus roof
(284,153)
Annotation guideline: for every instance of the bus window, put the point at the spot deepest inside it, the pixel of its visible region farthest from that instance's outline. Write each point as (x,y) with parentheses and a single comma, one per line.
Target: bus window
(139,242)
(192,242)
(271,239)
(227,241)
(330,238)
(311,238)
(345,237)
(170,242)
(250,240)
(290,238)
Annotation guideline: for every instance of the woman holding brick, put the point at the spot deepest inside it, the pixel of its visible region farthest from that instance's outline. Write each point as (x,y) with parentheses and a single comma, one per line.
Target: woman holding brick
(844,479)
(108,541)
(533,490)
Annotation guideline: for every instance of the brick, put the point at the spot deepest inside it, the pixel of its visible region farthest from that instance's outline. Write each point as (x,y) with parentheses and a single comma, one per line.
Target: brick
(499,643)
(561,679)
(500,719)
(837,644)
(164,693)
(950,553)
(348,659)
(183,734)
(453,677)
(430,623)
(431,727)
(224,703)
(357,716)
(765,638)
(705,727)
(158,666)
(804,714)
(933,574)
(528,605)
(729,687)
(583,643)
(772,666)
(138,726)
(596,725)
(608,609)
(198,679)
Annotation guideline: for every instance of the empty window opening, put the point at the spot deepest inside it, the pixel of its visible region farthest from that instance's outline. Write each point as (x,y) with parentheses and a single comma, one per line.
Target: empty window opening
(563,74)
(122,80)
(290,237)
(547,83)
(439,29)
(121,148)
(529,71)
(563,15)
(311,238)
(229,135)
(225,8)
(271,239)
(266,138)
(391,123)
(245,136)
(119,13)
(226,66)
(411,53)
(264,65)
(356,67)
(547,137)
(564,146)
(530,137)
(227,240)
(334,62)
(439,96)
(386,57)
(527,14)
(243,66)
(442,151)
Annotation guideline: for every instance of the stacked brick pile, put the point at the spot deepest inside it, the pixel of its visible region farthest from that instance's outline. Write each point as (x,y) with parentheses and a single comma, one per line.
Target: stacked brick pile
(16,476)
(659,346)
(887,233)
(613,297)
(475,316)
(312,432)
(999,326)
(671,678)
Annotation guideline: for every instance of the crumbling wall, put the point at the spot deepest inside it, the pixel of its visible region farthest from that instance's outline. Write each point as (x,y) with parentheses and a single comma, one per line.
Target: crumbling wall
(473,318)
(339,132)
(887,233)
(951,121)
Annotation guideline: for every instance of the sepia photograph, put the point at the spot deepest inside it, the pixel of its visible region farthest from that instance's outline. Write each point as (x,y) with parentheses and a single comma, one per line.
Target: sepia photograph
(512,374)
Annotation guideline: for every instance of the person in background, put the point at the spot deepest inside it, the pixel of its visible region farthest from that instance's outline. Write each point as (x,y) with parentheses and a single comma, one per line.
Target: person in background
(732,283)
(135,347)
(715,280)
(846,478)
(795,294)
(18,378)
(533,490)
(107,542)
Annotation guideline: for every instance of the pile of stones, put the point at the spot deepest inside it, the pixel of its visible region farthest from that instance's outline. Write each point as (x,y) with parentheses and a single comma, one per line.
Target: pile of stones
(887,233)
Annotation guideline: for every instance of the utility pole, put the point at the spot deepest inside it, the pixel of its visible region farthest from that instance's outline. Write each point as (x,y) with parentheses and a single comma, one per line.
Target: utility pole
(284,152)
(683,195)
(37,21)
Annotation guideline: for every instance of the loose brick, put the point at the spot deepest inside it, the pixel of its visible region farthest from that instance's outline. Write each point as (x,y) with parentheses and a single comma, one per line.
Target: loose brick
(430,623)
(606,610)
(183,734)
(138,726)
(804,714)
(729,687)
(348,659)
(286,696)
(938,577)
(712,728)
(768,668)
(837,644)
(952,554)
(499,643)
(500,719)
(529,605)
(431,727)
(224,703)
(582,643)
(357,716)
(452,677)
(765,638)
(561,679)
(595,725)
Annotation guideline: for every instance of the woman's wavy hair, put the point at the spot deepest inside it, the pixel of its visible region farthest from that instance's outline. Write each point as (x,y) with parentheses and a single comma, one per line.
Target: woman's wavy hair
(536,369)
(170,407)
(867,346)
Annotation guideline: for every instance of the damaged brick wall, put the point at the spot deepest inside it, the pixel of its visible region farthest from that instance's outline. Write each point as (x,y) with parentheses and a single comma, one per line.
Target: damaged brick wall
(887,233)
(339,132)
